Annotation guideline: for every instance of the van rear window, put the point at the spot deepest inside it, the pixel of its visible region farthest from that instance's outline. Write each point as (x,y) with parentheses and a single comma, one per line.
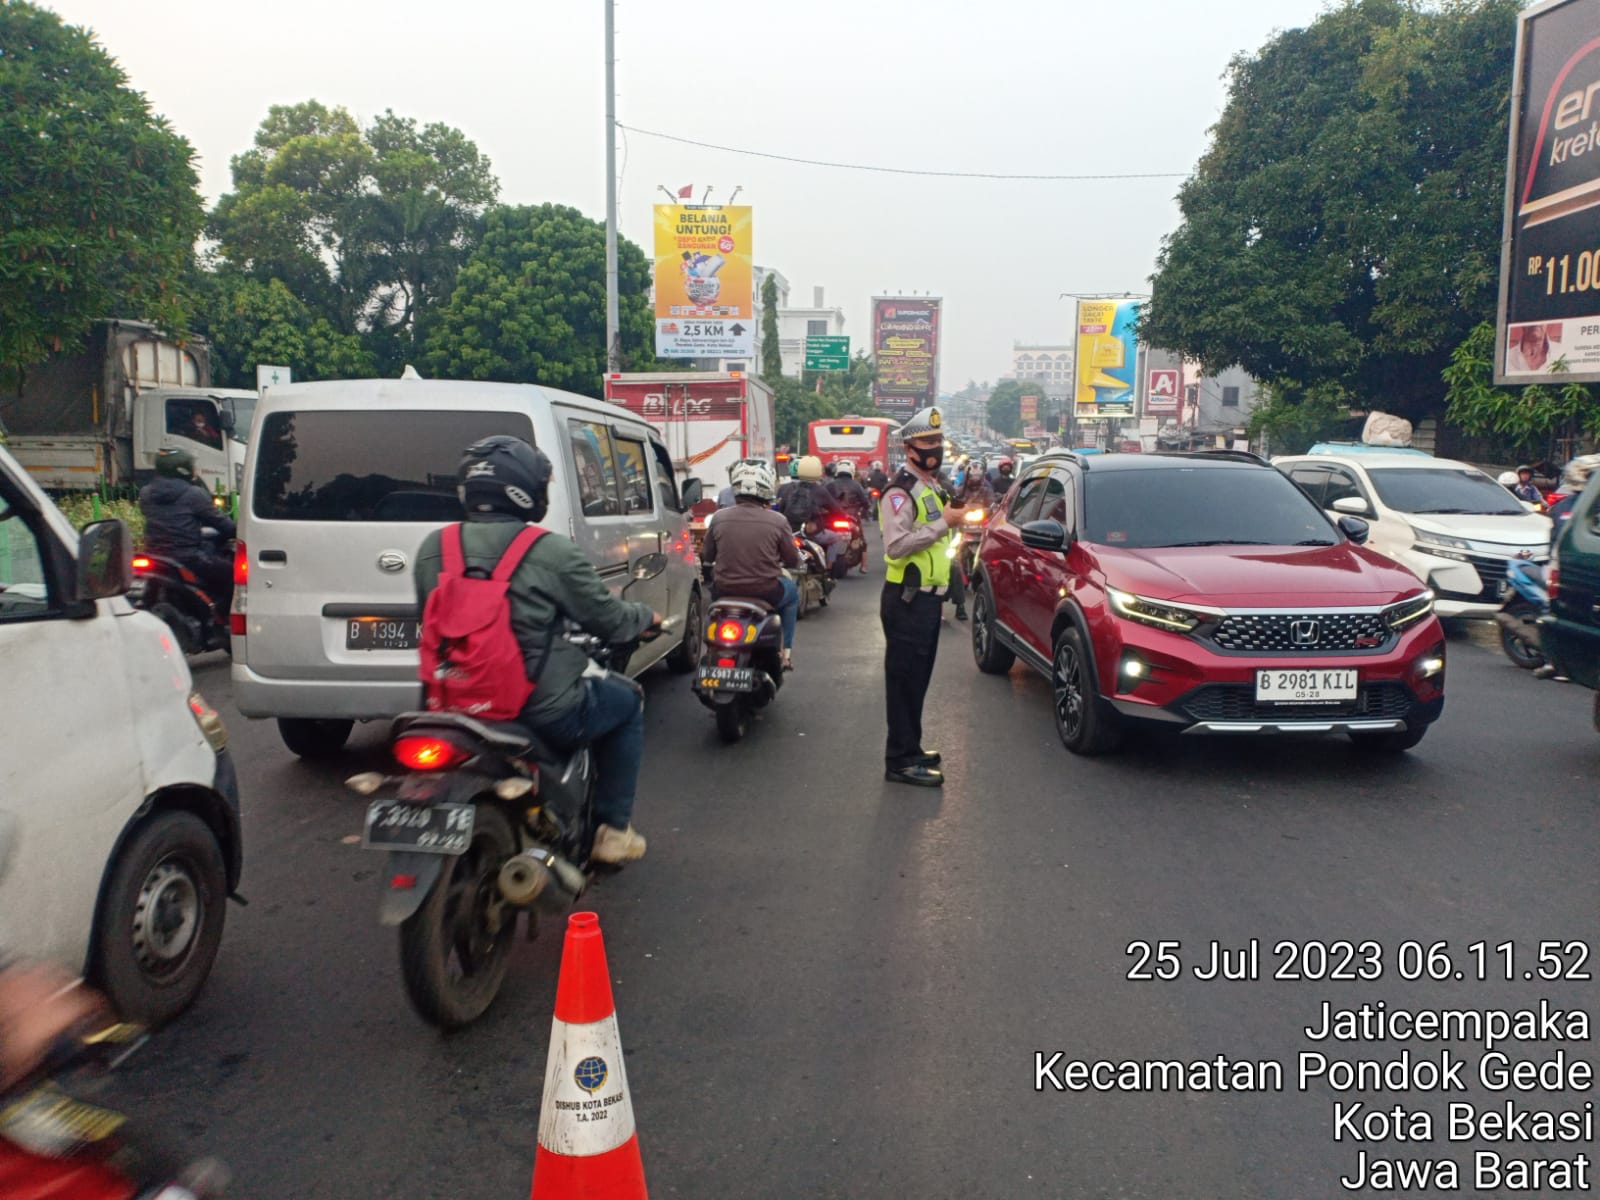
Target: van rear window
(369,465)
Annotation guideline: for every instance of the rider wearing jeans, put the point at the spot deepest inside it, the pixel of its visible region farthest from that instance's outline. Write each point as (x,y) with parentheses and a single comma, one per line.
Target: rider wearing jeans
(750,545)
(504,485)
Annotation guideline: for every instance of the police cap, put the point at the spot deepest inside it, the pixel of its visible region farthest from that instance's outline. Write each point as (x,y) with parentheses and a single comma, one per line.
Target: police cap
(921,424)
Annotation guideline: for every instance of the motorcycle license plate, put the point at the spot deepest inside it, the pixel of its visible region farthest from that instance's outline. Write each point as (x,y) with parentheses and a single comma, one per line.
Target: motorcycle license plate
(727,679)
(430,829)
(1308,685)
(381,633)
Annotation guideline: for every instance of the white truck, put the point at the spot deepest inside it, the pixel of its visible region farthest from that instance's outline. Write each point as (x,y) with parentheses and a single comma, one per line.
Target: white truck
(708,419)
(96,417)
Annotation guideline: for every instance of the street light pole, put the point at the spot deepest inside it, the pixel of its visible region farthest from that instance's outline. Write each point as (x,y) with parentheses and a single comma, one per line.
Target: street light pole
(613,321)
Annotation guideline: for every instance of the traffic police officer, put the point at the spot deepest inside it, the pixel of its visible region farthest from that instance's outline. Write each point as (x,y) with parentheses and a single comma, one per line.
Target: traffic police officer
(918,520)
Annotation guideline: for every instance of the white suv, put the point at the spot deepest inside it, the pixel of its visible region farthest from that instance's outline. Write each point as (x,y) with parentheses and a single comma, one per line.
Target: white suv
(1447,521)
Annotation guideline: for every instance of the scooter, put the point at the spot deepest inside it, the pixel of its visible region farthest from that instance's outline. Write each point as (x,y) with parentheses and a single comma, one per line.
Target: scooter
(743,667)
(487,821)
(813,579)
(855,552)
(167,589)
(1524,599)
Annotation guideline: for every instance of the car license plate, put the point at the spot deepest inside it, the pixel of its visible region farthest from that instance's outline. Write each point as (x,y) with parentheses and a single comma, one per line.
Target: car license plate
(1307,685)
(728,679)
(431,829)
(382,633)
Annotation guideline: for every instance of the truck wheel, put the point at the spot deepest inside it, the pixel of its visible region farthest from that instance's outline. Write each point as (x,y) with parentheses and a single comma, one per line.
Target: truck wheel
(687,656)
(311,738)
(161,920)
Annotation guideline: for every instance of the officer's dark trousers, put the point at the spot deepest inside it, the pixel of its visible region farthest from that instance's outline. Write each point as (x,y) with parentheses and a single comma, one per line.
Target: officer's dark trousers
(912,633)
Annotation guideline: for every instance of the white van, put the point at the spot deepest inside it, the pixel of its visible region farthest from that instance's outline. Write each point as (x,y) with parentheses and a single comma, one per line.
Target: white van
(114,773)
(344,479)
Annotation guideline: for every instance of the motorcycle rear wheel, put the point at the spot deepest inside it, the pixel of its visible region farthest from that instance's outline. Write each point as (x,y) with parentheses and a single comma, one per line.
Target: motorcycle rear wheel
(1518,649)
(454,949)
(190,639)
(732,721)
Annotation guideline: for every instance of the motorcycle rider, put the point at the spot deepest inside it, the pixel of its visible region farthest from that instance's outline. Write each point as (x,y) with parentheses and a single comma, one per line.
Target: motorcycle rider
(876,482)
(1525,488)
(1000,477)
(852,497)
(750,546)
(811,508)
(1574,478)
(176,507)
(504,484)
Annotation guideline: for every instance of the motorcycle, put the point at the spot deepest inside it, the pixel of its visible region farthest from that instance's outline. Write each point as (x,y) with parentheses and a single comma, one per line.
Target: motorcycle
(855,553)
(1524,599)
(487,822)
(744,644)
(966,547)
(813,578)
(167,589)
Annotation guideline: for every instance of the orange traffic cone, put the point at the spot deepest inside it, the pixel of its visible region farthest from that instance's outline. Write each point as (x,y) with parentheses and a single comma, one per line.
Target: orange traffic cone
(588,1147)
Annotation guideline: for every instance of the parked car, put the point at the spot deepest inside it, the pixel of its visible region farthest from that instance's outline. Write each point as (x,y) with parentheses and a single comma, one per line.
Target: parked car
(343,481)
(1570,634)
(1206,593)
(1451,524)
(114,772)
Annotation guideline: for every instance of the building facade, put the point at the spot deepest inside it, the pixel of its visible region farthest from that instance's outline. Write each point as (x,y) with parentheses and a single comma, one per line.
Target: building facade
(1047,365)
(797,324)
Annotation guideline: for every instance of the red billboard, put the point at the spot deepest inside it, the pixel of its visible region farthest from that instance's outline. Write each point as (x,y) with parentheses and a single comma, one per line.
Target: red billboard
(1162,398)
(905,347)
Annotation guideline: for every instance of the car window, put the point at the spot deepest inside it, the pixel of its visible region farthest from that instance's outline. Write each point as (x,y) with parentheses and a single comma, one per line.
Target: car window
(1443,490)
(1057,503)
(1026,501)
(637,496)
(1313,481)
(666,485)
(1200,506)
(194,418)
(595,468)
(1342,485)
(24,582)
(369,465)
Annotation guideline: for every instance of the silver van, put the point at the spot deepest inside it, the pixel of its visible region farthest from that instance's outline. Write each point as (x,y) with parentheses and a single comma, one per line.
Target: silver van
(342,482)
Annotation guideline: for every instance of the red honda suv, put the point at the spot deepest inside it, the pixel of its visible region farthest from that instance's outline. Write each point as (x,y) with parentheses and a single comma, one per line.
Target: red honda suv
(1205,592)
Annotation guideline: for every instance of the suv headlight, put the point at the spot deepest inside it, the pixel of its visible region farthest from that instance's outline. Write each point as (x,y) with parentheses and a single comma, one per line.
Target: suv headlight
(1160,614)
(1408,611)
(1441,545)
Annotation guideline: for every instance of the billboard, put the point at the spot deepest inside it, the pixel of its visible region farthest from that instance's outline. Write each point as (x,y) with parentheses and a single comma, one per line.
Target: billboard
(1030,408)
(1162,398)
(1550,246)
(1106,360)
(704,281)
(905,347)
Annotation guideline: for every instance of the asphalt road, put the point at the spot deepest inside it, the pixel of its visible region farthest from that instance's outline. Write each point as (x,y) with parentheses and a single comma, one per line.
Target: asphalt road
(829,985)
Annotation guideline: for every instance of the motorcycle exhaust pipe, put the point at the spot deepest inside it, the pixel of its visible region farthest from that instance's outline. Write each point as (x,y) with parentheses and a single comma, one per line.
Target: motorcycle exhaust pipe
(524,877)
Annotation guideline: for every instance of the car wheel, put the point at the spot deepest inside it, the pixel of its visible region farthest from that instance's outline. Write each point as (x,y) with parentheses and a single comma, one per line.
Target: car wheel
(311,738)
(991,655)
(161,920)
(687,656)
(1395,741)
(1084,722)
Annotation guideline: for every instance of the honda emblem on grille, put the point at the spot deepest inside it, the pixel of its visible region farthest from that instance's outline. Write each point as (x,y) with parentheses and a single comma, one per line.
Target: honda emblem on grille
(392,561)
(1305,633)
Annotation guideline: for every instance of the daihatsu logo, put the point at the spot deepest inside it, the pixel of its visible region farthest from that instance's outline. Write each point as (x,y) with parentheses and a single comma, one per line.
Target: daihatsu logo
(1305,633)
(392,561)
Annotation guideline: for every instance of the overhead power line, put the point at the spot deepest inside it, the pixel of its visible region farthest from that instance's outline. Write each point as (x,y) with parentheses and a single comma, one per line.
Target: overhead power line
(842,166)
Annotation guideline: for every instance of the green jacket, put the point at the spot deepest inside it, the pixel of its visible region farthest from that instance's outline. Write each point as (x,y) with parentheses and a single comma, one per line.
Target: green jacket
(554,582)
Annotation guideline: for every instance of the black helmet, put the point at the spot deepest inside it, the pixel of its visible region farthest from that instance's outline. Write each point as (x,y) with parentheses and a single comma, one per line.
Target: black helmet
(175,462)
(504,474)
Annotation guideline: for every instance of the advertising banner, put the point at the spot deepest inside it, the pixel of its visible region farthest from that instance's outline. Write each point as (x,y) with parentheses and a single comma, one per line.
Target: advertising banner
(1107,357)
(1550,261)
(1162,399)
(1030,408)
(704,281)
(905,347)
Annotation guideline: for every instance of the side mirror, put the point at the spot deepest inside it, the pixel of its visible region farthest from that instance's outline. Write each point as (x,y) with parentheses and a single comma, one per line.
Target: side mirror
(225,421)
(1354,528)
(1045,535)
(649,567)
(105,560)
(693,492)
(1353,505)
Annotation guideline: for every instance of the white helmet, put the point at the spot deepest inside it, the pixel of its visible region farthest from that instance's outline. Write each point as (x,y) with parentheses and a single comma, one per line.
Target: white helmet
(847,468)
(1507,479)
(752,477)
(1576,473)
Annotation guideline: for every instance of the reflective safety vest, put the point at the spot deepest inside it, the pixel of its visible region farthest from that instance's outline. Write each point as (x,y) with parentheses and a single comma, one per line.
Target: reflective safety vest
(933,562)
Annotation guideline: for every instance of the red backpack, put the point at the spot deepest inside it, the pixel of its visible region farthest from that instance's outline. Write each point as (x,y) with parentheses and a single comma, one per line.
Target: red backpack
(471,662)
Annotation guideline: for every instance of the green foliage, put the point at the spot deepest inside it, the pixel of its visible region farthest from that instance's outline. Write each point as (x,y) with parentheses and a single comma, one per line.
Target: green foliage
(1292,420)
(250,321)
(1538,420)
(1005,405)
(98,201)
(796,407)
(530,304)
(850,390)
(771,351)
(1344,225)
(81,509)
(366,228)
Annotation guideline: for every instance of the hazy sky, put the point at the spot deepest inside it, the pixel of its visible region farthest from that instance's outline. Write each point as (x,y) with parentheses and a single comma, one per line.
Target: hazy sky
(1008,86)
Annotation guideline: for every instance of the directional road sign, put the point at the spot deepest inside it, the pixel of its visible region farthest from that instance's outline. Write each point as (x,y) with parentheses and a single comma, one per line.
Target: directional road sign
(827,352)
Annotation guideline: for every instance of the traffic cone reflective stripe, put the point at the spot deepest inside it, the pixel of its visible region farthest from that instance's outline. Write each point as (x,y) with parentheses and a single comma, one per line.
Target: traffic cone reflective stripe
(588,1145)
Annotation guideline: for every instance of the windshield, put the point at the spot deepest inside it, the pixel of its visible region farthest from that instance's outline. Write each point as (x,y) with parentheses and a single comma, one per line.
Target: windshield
(243,409)
(1443,490)
(1201,506)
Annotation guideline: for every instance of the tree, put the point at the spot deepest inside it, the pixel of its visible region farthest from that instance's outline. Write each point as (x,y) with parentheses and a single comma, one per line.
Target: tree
(797,406)
(250,322)
(1343,228)
(365,228)
(850,390)
(1540,420)
(99,208)
(529,306)
(771,351)
(1005,405)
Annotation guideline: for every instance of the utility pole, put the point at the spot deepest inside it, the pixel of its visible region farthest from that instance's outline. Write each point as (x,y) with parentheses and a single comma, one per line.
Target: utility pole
(613,321)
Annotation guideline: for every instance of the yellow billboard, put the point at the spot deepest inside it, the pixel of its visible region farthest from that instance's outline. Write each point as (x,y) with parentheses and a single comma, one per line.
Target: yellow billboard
(1107,354)
(704,281)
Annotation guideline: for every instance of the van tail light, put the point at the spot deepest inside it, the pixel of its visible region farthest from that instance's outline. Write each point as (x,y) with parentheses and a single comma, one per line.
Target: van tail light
(1552,578)
(241,577)
(428,754)
(241,565)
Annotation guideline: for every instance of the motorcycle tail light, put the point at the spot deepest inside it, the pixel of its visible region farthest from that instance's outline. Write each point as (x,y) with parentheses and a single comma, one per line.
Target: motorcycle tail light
(241,566)
(727,662)
(842,525)
(141,563)
(428,754)
(730,632)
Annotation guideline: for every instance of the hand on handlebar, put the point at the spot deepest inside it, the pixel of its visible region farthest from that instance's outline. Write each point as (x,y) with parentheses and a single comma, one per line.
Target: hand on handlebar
(653,630)
(40,1005)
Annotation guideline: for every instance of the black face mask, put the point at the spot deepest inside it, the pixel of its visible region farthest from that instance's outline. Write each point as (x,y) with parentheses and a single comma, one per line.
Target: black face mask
(925,460)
